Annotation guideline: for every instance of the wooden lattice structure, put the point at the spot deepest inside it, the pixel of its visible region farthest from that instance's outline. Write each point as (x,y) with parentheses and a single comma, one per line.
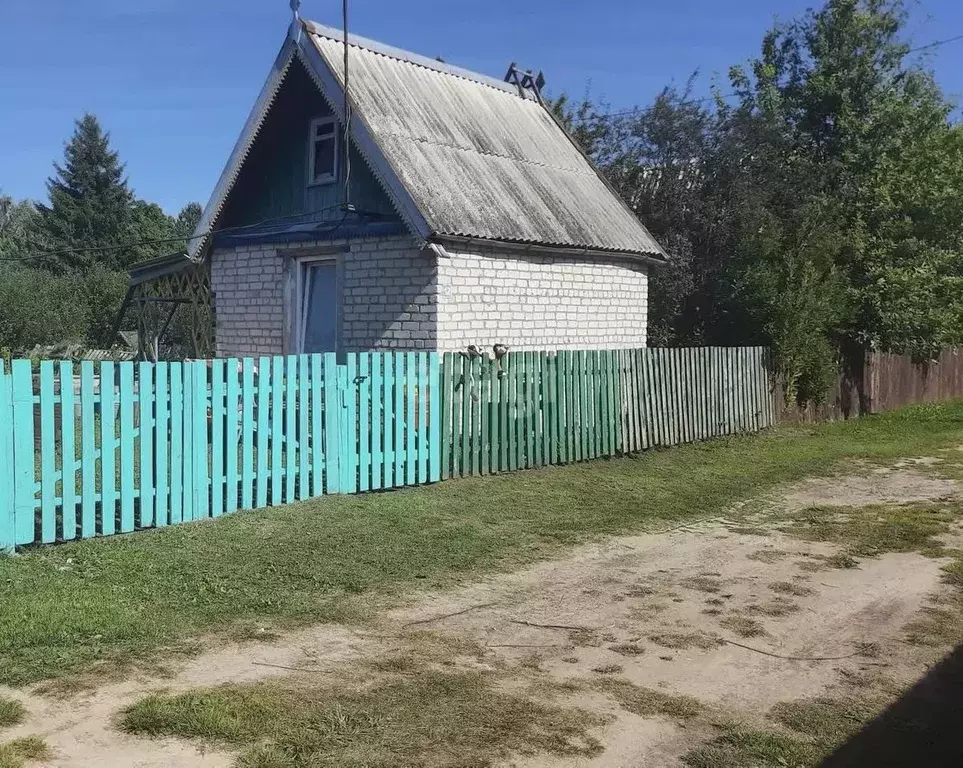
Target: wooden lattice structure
(170,299)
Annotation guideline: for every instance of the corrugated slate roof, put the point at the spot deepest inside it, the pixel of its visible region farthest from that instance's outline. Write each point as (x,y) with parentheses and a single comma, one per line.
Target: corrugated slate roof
(477,158)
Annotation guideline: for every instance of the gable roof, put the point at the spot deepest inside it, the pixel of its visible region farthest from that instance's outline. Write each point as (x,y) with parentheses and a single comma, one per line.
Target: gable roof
(459,154)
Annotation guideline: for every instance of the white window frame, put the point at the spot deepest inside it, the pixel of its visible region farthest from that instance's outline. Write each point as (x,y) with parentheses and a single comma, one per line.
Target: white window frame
(296,284)
(312,143)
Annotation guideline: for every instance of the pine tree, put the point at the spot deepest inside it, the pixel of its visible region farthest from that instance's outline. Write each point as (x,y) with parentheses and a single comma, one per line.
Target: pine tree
(90,202)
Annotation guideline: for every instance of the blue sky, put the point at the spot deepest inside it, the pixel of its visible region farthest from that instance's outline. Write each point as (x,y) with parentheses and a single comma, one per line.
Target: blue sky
(173,80)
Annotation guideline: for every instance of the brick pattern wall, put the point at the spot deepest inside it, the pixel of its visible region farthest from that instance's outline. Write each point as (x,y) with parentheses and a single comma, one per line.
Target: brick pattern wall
(397,296)
(388,288)
(539,302)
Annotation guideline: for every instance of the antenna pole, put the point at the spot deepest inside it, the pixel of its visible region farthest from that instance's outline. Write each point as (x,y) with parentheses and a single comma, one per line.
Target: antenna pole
(347,112)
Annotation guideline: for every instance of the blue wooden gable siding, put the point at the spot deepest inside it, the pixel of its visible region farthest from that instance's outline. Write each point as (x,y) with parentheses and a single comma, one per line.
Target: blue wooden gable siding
(273,180)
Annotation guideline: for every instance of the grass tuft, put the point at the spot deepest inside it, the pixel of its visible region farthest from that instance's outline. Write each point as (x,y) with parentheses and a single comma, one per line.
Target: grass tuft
(432,718)
(684,640)
(743,626)
(743,747)
(791,588)
(646,702)
(12,712)
(19,752)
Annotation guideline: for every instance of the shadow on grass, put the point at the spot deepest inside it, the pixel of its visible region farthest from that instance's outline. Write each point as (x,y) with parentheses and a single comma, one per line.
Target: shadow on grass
(923,727)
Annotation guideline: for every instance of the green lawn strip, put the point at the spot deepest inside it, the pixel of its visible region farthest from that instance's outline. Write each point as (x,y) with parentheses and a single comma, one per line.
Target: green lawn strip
(66,608)
(437,718)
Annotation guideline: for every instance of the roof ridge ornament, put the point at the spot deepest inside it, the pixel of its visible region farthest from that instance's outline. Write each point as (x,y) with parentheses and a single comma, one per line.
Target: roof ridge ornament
(295,31)
(525,81)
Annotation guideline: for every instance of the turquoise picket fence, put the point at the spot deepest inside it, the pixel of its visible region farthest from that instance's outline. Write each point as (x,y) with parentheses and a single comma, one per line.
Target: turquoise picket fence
(96,449)
(99,449)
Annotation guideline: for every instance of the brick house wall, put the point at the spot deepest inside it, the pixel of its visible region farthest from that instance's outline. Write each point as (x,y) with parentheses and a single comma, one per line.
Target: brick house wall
(397,296)
(554,301)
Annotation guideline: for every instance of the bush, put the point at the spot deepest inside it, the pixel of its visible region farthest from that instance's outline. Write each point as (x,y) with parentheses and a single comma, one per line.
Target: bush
(37,307)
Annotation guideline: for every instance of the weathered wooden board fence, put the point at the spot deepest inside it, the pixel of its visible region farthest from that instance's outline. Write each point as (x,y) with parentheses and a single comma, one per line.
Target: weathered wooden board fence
(96,449)
(99,449)
(537,408)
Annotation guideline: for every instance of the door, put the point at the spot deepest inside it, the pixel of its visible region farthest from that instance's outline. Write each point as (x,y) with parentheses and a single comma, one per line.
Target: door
(319,307)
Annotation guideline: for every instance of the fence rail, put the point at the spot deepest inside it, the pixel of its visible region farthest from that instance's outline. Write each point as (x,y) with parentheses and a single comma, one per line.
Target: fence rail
(96,449)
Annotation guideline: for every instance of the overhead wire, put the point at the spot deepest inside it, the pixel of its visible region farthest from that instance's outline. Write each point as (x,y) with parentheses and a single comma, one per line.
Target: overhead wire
(164,240)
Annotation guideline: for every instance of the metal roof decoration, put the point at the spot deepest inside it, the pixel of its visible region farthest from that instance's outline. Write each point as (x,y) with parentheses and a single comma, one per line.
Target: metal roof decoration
(461,155)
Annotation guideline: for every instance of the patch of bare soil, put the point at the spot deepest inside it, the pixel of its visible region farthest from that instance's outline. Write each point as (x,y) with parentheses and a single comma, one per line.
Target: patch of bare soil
(654,610)
(900,484)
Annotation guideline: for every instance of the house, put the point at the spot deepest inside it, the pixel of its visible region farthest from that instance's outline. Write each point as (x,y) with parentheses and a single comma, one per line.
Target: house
(462,213)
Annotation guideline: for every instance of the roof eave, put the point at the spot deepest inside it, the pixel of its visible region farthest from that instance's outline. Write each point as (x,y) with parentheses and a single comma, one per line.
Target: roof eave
(650,259)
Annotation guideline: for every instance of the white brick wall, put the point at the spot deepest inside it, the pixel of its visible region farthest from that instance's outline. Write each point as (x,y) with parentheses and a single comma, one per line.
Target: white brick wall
(396,296)
(539,302)
(387,285)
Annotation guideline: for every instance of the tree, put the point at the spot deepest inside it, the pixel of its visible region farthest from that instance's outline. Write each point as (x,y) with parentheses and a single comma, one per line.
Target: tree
(188,219)
(90,205)
(18,224)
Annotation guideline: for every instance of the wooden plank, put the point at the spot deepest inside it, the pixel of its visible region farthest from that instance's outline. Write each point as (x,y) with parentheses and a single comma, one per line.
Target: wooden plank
(289,445)
(162,430)
(400,453)
(466,425)
(7,510)
(202,476)
(248,395)
(145,444)
(568,404)
(264,386)
(474,414)
(24,466)
(377,427)
(364,421)
(530,405)
(484,416)
(495,418)
(422,433)
(187,436)
(48,455)
(277,430)
(435,426)
(349,432)
(108,448)
(504,408)
(126,413)
(332,424)
(512,363)
(217,437)
(304,440)
(68,450)
(446,414)
(535,398)
(388,362)
(232,434)
(316,436)
(608,403)
(411,385)
(545,408)
(549,391)
(177,442)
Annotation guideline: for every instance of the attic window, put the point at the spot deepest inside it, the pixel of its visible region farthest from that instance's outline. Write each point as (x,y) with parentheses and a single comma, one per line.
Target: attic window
(323,154)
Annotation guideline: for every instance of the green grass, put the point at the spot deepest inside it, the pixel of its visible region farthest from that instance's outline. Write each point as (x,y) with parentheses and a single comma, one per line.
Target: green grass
(64,609)
(17,753)
(647,702)
(433,718)
(11,712)
(743,747)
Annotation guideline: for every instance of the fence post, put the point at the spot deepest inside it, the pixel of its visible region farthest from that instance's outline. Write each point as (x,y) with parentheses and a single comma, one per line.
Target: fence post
(6,465)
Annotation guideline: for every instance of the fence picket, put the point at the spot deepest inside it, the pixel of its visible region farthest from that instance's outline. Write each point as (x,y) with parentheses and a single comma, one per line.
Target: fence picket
(7,516)
(126,413)
(434,418)
(217,437)
(312,402)
(332,421)
(48,455)
(68,449)
(377,428)
(364,426)
(389,420)
(162,431)
(262,430)
(247,433)
(23,451)
(400,383)
(411,386)
(232,434)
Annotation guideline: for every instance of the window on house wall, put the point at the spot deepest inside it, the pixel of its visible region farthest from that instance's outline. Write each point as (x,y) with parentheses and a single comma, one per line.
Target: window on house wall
(323,151)
(314,293)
